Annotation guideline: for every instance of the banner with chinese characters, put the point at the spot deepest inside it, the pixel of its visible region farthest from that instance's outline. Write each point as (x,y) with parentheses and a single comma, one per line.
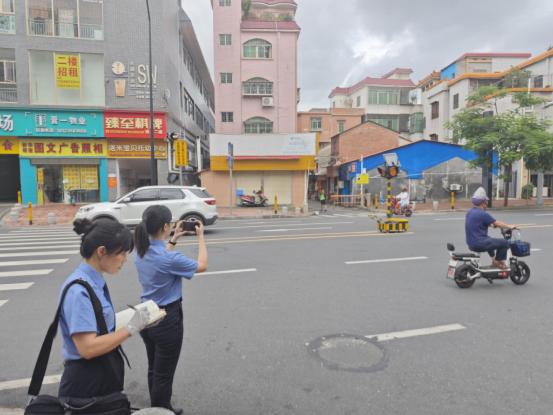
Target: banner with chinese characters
(51,123)
(9,145)
(62,148)
(135,149)
(68,71)
(133,125)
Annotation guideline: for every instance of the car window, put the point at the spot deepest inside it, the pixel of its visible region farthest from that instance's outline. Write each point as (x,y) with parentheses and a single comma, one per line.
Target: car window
(204,194)
(145,195)
(171,194)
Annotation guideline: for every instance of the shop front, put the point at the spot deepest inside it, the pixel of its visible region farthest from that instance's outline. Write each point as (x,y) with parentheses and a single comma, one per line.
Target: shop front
(62,154)
(128,149)
(9,169)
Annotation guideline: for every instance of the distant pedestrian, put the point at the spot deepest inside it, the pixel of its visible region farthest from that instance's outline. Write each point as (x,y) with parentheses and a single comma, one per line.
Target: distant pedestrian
(322,199)
(161,270)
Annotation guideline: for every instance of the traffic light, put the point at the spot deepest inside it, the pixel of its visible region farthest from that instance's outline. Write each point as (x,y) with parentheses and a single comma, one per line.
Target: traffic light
(389,172)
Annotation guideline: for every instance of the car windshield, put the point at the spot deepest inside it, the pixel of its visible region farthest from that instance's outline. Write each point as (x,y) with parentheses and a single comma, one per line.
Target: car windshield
(202,193)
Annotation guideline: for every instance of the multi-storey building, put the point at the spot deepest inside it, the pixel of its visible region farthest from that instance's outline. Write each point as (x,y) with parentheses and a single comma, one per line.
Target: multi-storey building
(74,100)
(256,96)
(388,100)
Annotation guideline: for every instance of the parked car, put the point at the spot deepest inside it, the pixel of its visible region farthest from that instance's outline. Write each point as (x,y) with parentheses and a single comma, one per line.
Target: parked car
(185,202)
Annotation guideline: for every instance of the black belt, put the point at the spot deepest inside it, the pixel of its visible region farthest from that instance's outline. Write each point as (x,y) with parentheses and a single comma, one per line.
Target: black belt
(174,304)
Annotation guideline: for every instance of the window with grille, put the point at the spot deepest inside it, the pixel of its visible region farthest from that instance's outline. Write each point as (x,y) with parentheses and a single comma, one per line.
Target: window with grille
(224,3)
(227,117)
(384,96)
(226,78)
(258,86)
(455,101)
(316,124)
(257,49)
(225,39)
(258,125)
(435,109)
(341,126)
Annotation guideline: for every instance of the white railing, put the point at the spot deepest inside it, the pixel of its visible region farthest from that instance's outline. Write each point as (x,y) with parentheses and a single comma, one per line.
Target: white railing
(66,29)
(40,27)
(92,31)
(8,93)
(7,23)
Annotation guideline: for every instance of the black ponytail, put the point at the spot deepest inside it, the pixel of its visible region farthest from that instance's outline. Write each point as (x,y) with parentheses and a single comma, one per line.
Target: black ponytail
(154,219)
(109,233)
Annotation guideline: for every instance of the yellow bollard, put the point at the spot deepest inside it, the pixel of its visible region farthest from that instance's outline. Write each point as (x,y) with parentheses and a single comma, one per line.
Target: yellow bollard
(19,197)
(376,201)
(30,207)
(453,200)
(276,205)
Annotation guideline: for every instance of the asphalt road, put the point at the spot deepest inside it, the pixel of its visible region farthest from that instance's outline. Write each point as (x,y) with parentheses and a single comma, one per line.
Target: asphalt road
(284,331)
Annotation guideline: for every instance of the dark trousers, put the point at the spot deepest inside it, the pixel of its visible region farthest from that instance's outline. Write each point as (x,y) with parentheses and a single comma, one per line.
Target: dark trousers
(163,345)
(496,247)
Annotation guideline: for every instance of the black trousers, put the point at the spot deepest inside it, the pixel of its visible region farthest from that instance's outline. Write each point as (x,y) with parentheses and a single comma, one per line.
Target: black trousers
(163,345)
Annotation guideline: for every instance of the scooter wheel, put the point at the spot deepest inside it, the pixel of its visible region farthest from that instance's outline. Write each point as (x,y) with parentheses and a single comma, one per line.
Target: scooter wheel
(462,276)
(408,213)
(521,274)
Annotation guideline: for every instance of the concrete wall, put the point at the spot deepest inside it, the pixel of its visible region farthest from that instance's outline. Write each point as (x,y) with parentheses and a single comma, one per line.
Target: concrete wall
(440,94)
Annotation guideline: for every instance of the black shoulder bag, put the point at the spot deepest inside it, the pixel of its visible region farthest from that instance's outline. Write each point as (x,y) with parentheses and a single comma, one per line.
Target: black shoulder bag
(113,404)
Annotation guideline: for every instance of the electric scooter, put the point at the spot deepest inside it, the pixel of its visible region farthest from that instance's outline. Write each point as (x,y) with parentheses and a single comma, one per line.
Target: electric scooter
(465,268)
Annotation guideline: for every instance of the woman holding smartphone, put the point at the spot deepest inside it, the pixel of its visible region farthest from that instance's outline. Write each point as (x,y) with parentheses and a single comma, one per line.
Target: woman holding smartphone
(160,272)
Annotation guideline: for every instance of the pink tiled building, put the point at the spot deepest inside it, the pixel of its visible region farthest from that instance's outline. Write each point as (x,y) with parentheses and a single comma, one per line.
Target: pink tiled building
(256,97)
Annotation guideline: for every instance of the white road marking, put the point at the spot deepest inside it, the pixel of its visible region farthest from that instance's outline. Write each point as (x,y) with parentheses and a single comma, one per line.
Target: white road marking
(38,238)
(41,246)
(535,250)
(19,286)
(417,332)
(24,383)
(44,243)
(343,216)
(42,233)
(543,214)
(230,271)
(28,273)
(285,224)
(2,302)
(33,262)
(374,261)
(295,229)
(44,253)
(448,219)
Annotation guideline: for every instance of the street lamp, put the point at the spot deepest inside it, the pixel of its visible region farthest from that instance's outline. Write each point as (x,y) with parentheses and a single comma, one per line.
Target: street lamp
(153,164)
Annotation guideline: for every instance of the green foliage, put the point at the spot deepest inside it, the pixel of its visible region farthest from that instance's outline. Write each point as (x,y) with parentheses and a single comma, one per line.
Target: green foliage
(527,191)
(516,78)
(246,6)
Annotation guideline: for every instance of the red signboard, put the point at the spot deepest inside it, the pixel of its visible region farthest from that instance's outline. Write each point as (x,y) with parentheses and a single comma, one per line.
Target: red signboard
(133,124)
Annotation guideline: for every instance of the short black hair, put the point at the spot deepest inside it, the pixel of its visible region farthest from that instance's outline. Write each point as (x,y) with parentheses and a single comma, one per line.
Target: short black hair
(109,233)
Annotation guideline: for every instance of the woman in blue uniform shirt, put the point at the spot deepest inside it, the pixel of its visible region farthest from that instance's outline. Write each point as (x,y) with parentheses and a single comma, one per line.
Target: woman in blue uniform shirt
(160,271)
(93,363)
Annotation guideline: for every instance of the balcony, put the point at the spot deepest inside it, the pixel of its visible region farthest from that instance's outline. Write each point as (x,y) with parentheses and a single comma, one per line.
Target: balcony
(7,23)
(42,27)
(8,92)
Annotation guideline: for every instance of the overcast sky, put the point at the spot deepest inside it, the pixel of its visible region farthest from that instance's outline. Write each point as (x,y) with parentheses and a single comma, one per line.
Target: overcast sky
(342,41)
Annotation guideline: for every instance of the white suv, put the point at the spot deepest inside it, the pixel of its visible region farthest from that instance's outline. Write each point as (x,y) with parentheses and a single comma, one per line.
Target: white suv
(185,202)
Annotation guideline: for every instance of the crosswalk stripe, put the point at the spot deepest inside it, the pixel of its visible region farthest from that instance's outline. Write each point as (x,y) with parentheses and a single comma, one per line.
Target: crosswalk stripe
(2,302)
(45,253)
(33,262)
(42,233)
(27,273)
(42,246)
(18,286)
(37,238)
(52,244)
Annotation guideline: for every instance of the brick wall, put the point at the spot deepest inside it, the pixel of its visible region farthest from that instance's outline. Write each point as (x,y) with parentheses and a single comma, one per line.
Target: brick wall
(366,139)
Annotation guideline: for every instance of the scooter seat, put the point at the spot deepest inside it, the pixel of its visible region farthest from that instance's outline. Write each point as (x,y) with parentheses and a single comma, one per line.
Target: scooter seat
(466,255)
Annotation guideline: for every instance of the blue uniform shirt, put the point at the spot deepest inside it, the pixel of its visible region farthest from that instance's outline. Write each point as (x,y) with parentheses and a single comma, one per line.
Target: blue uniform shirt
(477,223)
(160,273)
(77,315)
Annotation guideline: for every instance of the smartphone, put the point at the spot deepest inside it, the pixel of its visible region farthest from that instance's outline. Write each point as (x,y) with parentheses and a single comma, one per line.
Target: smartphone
(189,226)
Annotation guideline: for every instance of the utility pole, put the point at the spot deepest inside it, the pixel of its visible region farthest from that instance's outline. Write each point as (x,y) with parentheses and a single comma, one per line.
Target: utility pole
(153,164)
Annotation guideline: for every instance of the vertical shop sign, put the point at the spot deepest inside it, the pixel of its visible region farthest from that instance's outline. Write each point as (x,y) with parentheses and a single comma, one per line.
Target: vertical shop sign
(68,71)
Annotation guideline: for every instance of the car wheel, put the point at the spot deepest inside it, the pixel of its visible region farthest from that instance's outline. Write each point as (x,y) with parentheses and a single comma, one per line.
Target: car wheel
(193,217)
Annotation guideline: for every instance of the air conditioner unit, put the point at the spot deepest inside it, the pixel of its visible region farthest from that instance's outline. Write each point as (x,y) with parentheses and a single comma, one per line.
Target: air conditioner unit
(267,101)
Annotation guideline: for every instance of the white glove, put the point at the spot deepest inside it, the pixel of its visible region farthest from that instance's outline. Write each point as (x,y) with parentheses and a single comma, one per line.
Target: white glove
(138,321)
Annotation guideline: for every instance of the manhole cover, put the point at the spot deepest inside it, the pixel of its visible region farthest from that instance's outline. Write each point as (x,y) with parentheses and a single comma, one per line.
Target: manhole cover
(349,353)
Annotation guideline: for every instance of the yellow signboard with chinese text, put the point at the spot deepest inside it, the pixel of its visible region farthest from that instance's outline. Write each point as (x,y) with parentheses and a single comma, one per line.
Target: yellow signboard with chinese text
(9,145)
(40,175)
(181,153)
(135,149)
(68,71)
(48,147)
(362,178)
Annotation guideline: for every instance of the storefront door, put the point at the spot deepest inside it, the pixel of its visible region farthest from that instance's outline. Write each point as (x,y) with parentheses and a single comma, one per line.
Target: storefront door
(71,183)
(9,178)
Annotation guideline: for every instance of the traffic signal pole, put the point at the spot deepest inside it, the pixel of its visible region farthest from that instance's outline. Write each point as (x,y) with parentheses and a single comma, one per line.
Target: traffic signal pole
(389,198)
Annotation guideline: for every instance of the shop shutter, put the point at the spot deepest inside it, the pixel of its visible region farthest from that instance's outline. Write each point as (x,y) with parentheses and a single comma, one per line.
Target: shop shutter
(280,184)
(248,181)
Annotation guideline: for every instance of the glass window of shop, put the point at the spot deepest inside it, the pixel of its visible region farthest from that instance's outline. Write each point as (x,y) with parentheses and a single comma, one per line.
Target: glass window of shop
(91,91)
(65,18)
(71,183)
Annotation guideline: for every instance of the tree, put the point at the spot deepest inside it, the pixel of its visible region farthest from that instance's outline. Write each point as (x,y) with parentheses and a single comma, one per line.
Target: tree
(538,156)
(485,131)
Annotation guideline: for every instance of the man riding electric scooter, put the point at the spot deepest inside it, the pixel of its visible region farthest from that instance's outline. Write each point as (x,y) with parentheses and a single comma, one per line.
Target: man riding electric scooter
(477,222)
